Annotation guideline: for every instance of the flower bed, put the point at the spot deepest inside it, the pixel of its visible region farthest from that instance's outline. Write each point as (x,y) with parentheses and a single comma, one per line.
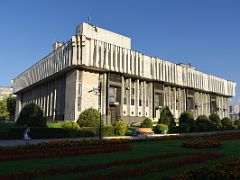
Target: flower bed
(206,144)
(23,154)
(220,171)
(194,157)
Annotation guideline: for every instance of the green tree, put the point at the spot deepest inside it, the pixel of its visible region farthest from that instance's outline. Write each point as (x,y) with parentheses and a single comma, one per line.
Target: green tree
(4,113)
(89,118)
(31,115)
(166,117)
(11,106)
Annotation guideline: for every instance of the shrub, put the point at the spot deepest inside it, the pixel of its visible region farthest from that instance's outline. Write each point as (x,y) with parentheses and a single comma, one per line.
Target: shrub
(203,123)
(35,133)
(166,117)
(227,124)
(120,127)
(31,115)
(159,129)
(184,128)
(237,123)
(147,123)
(214,118)
(71,128)
(216,126)
(108,131)
(87,132)
(89,118)
(54,125)
(70,125)
(187,117)
(226,121)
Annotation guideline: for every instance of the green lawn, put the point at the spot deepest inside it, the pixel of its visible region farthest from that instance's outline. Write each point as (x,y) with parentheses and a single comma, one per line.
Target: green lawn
(231,149)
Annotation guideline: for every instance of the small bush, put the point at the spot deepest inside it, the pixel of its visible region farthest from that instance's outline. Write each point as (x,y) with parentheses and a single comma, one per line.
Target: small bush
(31,115)
(108,131)
(120,127)
(187,117)
(147,123)
(226,121)
(166,117)
(89,118)
(237,123)
(203,123)
(216,126)
(214,118)
(227,124)
(184,128)
(159,129)
(71,128)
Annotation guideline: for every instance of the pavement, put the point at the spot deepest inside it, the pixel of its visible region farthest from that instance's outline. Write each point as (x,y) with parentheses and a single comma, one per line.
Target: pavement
(21,142)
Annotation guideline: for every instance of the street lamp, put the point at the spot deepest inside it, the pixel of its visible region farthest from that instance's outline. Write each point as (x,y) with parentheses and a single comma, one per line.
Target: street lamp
(98,91)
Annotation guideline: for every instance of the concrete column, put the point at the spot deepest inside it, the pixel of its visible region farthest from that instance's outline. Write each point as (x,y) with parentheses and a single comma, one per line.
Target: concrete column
(70,95)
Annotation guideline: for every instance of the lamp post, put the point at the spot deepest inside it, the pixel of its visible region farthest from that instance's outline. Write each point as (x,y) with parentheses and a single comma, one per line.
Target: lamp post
(98,91)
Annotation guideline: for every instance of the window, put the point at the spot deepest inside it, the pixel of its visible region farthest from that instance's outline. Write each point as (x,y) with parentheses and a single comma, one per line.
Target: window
(147,93)
(112,94)
(190,103)
(132,93)
(140,94)
(158,99)
(79,91)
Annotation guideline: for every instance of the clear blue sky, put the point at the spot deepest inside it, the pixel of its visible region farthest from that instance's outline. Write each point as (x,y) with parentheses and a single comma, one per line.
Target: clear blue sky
(204,32)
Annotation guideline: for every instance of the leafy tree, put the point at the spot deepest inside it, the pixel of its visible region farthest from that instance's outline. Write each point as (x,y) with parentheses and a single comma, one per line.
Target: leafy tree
(166,117)
(31,115)
(89,118)
(147,123)
(11,106)
(4,113)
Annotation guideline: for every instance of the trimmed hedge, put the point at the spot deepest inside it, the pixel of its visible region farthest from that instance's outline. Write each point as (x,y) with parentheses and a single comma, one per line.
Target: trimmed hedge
(45,133)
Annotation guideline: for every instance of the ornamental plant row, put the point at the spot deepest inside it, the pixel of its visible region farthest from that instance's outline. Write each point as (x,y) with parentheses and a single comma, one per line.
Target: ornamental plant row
(48,153)
(230,170)
(142,171)
(91,167)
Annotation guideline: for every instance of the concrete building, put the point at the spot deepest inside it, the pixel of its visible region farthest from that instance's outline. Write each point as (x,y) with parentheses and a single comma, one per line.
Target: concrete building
(133,84)
(5,92)
(234,112)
